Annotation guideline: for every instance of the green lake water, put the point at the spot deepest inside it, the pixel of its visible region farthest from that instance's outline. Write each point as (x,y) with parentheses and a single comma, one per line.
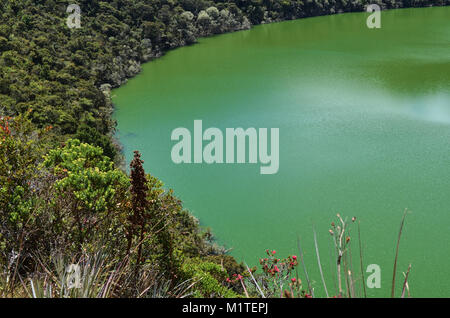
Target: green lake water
(364,121)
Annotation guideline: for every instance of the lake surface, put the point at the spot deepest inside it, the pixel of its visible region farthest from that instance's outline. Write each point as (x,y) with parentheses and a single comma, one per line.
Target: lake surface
(364,121)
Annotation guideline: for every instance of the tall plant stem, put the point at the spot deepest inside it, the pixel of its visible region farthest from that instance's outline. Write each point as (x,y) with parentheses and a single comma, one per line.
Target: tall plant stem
(311,291)
(396,254)
(318,261)
(361,261)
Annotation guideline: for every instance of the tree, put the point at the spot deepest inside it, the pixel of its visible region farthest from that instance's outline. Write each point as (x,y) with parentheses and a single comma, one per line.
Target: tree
(139,202)
(87,193)
(21,183)
(94,137)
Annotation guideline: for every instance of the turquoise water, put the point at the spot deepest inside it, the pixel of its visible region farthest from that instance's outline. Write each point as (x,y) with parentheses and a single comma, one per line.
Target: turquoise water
(364,121)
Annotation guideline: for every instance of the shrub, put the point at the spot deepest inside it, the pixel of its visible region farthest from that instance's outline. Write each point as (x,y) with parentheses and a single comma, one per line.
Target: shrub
(207,278)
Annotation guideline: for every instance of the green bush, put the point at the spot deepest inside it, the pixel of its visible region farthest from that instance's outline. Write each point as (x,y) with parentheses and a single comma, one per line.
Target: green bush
(207,278)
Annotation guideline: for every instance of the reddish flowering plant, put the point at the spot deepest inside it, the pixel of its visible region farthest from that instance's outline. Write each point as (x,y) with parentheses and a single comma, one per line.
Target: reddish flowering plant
(278,272)
(276,266)
(235,278)
(4,126)
(279,278)
(238,279)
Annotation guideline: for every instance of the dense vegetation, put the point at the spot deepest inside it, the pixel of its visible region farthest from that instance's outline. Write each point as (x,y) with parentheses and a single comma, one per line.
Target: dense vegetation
(64,197)
(69,203)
